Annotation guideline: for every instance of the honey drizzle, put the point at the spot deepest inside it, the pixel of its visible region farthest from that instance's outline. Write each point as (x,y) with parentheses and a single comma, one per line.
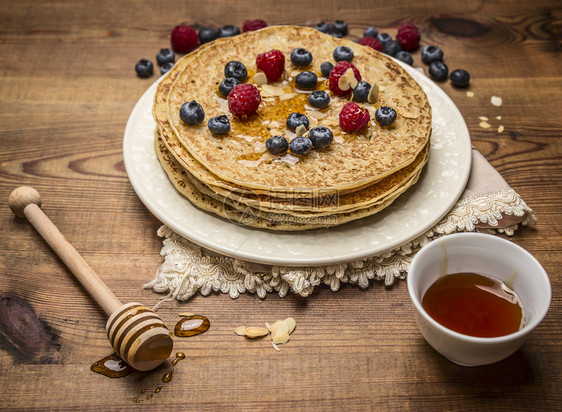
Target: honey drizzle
(112,366)
(191,326)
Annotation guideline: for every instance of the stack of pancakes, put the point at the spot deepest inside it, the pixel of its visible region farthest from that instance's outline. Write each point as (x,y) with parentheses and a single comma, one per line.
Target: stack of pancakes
(235,177)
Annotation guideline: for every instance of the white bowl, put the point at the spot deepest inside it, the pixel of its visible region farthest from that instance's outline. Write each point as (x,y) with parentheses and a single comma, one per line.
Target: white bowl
(487,255)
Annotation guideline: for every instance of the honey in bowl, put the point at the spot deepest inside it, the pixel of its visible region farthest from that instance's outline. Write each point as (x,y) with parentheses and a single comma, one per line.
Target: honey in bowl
(474,305)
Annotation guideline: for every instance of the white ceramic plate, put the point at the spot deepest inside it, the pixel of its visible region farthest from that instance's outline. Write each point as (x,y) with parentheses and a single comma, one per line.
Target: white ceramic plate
(416,211)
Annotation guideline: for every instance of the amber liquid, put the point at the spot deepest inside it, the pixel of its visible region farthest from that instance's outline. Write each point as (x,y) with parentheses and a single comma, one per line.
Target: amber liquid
(474,305)
(191,326)
(112,366)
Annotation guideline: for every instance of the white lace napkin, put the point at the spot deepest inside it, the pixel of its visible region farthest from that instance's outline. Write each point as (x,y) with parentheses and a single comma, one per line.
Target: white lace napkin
(488,204)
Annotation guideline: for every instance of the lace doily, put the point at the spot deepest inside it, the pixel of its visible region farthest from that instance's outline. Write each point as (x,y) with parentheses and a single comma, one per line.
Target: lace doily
(187,268)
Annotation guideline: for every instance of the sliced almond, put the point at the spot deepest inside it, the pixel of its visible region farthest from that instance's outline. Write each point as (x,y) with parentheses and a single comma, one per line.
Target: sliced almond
(500,128)
(240,330)
(272,90)
(280,338)
(185,314)
(275,346)
(279,327)
(286,96)
(373,93)
(347,80)
(483,118)
(316,114)
(496,101)
(300,130)
(485,125)
(256,332)
(291,323)
(260,78)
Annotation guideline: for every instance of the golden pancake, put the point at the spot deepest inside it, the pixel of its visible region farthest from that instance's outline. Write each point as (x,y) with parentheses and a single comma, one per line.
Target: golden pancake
(352,161)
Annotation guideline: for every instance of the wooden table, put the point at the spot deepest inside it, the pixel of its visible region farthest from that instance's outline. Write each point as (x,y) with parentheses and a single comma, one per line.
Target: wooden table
(67,89)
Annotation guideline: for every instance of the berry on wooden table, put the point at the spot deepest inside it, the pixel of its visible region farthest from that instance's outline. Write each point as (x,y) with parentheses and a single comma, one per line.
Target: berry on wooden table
(228,31)
(438,71)
(409,36)
(165,56)
(184,38)
(459,78)
(144,68)
(371,42)
(252,25)
(207,34)
(430,54)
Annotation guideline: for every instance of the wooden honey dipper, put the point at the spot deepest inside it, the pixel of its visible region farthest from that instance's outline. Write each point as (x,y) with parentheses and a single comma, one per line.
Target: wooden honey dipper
(136,333)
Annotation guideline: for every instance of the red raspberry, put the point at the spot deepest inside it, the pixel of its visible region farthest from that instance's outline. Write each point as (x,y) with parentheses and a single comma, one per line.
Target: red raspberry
(251,25)
(244,100)
(353,117)
(371,42)
(409,36)
(337,72)
(184,39)
(272,63)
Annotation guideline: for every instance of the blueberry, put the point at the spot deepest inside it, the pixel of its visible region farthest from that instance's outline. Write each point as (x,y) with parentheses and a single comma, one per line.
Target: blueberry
(295,120)
(228,31)
(321,137)
(306,80)
(326,68)
(227,85)
(191,113)
(323,27)
(235,69)
(334,33)
(301,57)
(361,91)
(371,32)
(277,145)
(385,115)
(405,57)
(431,54)
(340,26)
(144,68)
(391,47)
(207,34)
(459,78)
(319,99)
(383,38)
(343,53)
(219,124)
(165,56)
(166,67)
(300,145)
(438,71)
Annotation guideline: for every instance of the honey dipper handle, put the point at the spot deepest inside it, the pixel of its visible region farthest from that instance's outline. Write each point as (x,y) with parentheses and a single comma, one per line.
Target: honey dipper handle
(25,201)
